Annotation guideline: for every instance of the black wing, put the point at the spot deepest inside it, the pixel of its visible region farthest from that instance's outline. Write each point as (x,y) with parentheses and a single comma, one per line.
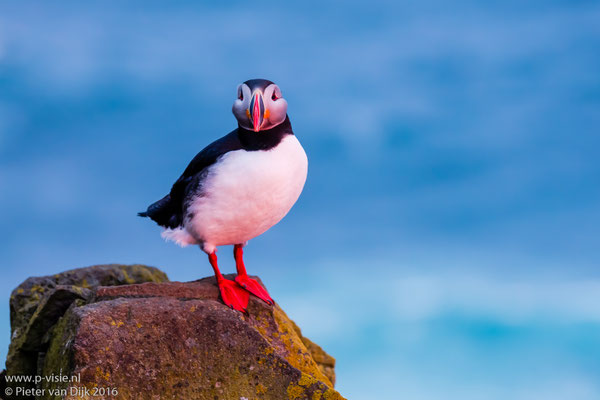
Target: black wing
(168,211)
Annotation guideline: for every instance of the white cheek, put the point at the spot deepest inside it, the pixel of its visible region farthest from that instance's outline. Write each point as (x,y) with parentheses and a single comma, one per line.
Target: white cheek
(240,105)
(277,111)
(239,110)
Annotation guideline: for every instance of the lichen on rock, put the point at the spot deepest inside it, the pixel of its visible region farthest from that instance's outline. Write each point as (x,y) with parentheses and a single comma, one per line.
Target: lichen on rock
(38,303)
(173,340)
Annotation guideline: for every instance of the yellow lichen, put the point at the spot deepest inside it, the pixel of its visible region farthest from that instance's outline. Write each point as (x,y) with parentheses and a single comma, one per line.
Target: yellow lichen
(298,355)
(317,395)
(101,374)
(37,288)
(295,391)
(77,289)
(262,331)
(331,394)
(128,279)
(306,380)
(260,389)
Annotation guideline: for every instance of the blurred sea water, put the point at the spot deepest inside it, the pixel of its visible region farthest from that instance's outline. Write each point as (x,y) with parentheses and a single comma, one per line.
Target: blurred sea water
(446,243)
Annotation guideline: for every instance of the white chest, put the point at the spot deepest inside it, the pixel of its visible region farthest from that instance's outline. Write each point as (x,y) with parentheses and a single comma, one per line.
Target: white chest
(248,192)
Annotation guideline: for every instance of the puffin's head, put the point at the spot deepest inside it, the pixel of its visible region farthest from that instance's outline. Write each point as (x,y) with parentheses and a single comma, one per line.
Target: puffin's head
(259,105)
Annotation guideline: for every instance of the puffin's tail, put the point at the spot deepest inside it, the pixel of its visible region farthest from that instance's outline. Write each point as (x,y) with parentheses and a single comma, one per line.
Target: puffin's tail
(163,212)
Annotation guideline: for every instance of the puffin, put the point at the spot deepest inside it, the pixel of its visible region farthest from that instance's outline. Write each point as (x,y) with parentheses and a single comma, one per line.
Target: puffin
(237,187)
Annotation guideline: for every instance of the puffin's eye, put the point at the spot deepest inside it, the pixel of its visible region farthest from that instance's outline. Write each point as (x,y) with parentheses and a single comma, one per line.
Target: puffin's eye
(274,97)
(241,95)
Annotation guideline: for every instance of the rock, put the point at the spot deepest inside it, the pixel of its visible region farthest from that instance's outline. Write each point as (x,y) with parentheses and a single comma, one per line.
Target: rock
(2,383)
(325,362)
(175,340)
(25,299)
(39,302)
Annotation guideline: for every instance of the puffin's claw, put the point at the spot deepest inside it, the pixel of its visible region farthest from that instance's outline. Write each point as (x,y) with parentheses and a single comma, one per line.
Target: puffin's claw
(233,295)
(255,288)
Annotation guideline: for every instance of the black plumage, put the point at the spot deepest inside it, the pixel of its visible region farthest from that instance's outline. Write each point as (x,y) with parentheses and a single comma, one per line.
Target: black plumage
(170,210)
(260,84)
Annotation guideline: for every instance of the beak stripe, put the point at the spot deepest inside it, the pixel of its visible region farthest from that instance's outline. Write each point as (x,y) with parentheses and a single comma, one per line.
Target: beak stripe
(256,113)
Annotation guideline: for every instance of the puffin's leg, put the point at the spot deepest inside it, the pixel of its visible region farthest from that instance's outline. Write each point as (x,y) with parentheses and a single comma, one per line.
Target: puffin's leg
(245,281)
(231,293)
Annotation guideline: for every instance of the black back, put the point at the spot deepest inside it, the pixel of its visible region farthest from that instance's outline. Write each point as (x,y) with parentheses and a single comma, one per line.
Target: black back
(169,211)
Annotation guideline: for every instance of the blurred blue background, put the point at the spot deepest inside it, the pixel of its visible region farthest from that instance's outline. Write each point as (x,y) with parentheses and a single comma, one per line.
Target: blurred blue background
(446,245)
